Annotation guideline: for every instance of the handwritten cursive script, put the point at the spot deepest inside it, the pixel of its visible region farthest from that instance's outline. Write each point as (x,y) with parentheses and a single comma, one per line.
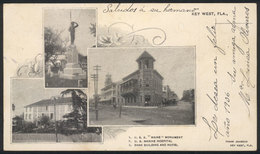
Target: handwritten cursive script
(213,39)
(213,127)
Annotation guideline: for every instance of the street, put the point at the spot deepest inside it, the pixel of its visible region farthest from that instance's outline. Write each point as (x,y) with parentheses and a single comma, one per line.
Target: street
(181,114)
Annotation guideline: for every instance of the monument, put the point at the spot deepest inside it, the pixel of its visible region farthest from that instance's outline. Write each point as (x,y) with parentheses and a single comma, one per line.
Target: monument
(72,68)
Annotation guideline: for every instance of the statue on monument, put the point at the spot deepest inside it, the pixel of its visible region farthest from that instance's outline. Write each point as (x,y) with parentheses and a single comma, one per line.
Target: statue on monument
(72,28)
(72,68)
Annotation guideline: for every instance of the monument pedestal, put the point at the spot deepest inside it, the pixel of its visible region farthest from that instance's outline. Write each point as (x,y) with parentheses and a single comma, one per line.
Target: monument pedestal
(72,69)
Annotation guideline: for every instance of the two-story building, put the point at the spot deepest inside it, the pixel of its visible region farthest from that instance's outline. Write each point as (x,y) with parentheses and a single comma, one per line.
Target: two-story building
(48,107)
(144,86)
(110,94)
(168,94)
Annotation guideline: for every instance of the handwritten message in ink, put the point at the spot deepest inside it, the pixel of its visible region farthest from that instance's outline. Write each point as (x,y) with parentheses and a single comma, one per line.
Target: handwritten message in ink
(237,79)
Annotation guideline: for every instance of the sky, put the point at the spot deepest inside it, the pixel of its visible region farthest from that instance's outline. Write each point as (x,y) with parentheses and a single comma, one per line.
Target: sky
(59,19)
(175,64)
(28,91)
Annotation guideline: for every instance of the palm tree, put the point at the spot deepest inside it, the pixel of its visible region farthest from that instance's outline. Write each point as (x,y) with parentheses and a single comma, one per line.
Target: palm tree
(79,104)
(92,29)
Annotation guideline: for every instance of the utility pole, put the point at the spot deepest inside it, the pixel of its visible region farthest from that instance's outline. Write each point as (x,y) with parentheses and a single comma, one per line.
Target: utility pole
(97,68)
(120,109)
(70,15)
(95,78)
(13,109)
(54,105)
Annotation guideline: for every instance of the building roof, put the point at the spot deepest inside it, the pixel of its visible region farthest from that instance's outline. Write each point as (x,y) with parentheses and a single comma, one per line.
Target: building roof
(133,79)
(110,86)
(145,54)
(45,102)
(158,74)
(130,75)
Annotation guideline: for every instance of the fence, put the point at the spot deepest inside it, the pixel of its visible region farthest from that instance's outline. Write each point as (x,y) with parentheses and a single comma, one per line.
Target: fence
(42,137)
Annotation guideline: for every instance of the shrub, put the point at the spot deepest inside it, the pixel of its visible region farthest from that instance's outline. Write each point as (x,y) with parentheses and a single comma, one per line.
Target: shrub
(17,124)
(28,127)
(45,122)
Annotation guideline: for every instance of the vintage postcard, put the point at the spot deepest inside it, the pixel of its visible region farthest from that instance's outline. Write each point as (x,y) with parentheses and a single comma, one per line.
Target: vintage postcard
(146,76)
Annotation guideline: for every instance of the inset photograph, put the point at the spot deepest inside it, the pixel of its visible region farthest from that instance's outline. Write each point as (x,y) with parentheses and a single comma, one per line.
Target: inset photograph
(67,35)
(142,86)
(49,115)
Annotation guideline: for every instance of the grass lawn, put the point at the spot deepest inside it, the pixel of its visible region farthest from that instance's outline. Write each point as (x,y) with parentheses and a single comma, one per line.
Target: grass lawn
(181,114)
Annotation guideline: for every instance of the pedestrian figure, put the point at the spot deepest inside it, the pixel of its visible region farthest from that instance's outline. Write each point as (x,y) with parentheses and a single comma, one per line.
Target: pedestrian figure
(114,105)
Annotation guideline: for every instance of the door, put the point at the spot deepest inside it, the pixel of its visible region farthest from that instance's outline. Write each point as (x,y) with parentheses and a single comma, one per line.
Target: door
(147,100)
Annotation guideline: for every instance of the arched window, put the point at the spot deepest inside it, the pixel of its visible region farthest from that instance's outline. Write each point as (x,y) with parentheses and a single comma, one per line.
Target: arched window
(146,63)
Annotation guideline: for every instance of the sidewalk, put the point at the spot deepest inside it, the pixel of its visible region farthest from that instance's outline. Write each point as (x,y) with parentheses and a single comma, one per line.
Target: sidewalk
(142,107)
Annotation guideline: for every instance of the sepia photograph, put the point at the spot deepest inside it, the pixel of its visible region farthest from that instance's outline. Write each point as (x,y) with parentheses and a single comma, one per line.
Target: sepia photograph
(142,86)
(67,35)
(49,115)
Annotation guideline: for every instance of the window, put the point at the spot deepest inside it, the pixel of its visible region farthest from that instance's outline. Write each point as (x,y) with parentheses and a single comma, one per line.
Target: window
(147,98)
(147,81)
(26,115)
(46,108)
(146,64)
(30,116)
(51,115)
(70,107)
(62,108)
(42,114)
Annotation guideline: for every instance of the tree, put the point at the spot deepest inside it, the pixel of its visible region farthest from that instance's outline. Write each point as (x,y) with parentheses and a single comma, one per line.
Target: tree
(82,59)
(53,43)
(17,123)
(79,111)
(45,121)
(188,95)
(92,29)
